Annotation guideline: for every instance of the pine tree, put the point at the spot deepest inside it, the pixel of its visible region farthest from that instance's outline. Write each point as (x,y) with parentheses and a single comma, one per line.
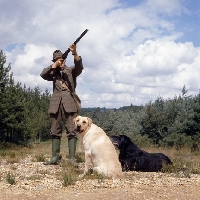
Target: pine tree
(4,82)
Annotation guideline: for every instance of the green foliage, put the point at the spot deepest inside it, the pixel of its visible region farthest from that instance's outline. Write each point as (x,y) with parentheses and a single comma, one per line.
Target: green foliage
(142,141)
(91,174)
(69,174)
(4,72)
(171,123)
(80,157)
(10,179)
(178,141)
(23,115)
(182,168)
(3,153)
(36,116)
(4,81)
(40,158)
(68,179)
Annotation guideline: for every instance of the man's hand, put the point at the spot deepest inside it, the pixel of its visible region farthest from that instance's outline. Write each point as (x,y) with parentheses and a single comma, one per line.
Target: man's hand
(72,48)
(59,63)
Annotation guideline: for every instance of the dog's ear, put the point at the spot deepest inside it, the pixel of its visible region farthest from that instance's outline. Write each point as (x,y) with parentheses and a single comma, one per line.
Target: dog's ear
(89,121)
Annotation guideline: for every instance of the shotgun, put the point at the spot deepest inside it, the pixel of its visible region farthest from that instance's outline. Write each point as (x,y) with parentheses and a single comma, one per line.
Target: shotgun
(64,56)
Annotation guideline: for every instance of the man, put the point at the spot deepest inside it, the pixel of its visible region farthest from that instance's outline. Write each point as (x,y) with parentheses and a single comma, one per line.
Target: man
(63,106)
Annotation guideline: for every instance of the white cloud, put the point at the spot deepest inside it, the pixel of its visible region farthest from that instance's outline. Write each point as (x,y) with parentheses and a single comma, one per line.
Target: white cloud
(130,54)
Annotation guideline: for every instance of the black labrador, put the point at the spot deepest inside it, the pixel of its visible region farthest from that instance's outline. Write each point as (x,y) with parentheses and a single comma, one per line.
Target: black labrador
(132,158)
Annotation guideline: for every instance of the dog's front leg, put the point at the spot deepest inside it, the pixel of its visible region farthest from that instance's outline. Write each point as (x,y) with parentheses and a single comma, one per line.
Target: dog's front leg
(88,161)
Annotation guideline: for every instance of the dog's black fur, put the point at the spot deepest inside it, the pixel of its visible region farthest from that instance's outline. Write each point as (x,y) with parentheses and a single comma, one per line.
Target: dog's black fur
(132,158)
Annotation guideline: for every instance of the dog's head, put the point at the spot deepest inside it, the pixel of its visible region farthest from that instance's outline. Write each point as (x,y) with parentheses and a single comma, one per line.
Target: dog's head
(115,140)
(120,141)
(82,124)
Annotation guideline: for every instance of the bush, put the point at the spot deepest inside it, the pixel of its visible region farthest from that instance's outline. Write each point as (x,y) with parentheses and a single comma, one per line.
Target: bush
(142,141)
(10,179)
(40,158)
(68,179)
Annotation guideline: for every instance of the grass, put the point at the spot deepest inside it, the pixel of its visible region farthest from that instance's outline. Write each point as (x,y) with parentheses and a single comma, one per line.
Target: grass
(182,168)
(94,175)
(80,157)
(68,179)
(184,161)
(39,158)
(69,174)
(11,156)
(10,179)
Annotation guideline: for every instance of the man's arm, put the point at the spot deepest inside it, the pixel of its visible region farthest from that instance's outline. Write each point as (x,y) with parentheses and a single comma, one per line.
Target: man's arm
(77,60)
(78,67)
(49,72)
(72,48)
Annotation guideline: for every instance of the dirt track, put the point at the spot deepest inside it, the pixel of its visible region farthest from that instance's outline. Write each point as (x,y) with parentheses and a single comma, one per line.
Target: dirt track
(182,193)
(134,185)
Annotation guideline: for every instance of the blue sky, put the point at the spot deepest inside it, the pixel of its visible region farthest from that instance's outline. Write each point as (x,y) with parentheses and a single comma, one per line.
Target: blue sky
(188,22)
(134,52)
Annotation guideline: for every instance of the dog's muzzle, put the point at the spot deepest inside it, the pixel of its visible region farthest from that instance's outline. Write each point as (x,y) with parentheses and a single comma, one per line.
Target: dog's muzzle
(78,128)
(115,143)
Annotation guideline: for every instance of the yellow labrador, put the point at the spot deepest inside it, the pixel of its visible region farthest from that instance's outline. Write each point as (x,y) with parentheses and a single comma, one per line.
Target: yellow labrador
(98,148)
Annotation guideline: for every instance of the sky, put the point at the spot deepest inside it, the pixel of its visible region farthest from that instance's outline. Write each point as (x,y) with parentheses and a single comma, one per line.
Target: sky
(134,52)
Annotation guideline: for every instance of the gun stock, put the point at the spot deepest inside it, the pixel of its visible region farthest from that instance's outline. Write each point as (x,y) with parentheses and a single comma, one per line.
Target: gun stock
(64,56)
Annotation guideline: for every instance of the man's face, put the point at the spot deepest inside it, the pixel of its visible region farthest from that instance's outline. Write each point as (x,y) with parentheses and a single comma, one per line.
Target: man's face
(62,62)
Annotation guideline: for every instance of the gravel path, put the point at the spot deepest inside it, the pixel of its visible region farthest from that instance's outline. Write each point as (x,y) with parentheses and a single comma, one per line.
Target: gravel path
(36,181)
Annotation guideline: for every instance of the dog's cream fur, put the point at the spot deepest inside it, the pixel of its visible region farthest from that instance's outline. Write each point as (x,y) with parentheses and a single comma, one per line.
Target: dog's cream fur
(98,148)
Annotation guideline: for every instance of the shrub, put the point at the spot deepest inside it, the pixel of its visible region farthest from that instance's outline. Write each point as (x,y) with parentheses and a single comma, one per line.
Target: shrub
(10,179)
(40,158)
(68,179)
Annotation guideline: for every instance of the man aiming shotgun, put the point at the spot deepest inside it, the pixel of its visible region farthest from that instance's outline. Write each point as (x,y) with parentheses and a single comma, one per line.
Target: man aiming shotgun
(64,103)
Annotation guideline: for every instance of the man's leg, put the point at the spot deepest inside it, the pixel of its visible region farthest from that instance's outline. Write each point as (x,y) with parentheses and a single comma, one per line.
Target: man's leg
(72,150)
(72,136)
(55,152)
(56,133)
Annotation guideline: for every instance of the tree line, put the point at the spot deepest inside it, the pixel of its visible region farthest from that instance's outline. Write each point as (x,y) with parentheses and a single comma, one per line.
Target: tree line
(169,122)
(23,115)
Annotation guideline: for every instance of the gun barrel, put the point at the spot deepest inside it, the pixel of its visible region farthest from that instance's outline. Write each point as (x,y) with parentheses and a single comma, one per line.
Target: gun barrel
(64,56)
(79,38)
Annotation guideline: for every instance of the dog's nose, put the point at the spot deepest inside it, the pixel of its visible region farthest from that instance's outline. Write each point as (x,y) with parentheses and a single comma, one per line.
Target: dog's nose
(78,126)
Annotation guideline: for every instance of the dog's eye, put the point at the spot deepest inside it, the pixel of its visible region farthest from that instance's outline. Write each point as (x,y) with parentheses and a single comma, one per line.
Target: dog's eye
(84,122)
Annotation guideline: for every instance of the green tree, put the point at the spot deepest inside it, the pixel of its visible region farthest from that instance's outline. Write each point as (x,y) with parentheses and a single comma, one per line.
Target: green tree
(23,113)
(36,115)
(154,121)
(14,111)
(4,82)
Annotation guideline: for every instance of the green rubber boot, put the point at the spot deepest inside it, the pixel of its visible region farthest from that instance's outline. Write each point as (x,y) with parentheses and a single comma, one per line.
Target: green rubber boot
(55,159)
(72,150)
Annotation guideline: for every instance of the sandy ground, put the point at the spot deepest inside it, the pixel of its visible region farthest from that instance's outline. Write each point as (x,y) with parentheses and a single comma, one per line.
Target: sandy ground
(182,192)
(37,181)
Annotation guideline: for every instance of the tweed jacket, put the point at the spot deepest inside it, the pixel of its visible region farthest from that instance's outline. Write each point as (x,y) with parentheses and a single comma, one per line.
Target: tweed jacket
(60,93)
